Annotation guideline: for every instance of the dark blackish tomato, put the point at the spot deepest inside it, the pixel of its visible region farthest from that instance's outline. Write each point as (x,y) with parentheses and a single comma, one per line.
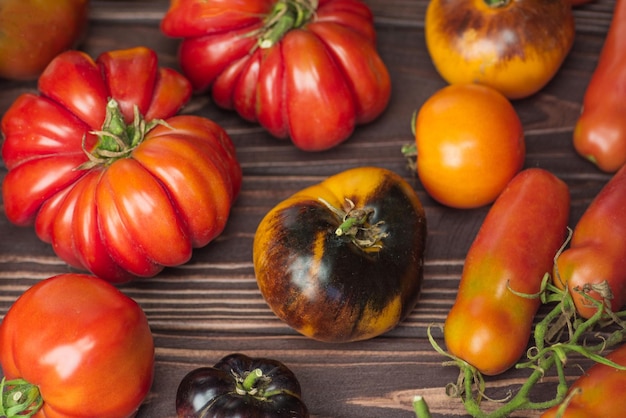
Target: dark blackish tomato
(239,386)
(342,260)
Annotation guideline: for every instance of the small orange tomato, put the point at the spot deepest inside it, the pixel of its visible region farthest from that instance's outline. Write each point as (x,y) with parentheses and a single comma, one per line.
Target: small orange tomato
(470,143)
(513,46)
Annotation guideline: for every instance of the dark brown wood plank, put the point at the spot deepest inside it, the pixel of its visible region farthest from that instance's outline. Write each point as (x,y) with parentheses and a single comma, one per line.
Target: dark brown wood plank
(211,306)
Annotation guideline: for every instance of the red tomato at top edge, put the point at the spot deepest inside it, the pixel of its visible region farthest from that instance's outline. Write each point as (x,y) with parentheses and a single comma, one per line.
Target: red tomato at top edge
(85,345)
(24,49)
(303,69)
(470,144)
(123,207)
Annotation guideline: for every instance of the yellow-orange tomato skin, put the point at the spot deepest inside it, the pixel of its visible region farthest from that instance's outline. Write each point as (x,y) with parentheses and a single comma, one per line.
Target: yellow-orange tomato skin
(470,144)
(515,47)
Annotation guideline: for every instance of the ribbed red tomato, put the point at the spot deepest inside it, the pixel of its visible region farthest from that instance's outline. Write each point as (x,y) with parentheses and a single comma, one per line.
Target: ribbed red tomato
(99,164)
(303,69)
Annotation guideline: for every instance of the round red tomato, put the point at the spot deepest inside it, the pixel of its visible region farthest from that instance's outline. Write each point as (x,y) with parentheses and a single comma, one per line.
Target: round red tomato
(470,144)
(108,176)
(83,345)
(35,31)
(303,69)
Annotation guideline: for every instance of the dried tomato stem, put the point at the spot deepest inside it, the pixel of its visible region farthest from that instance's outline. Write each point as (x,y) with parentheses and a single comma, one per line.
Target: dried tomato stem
(19,398)
(286,15)
(355,225)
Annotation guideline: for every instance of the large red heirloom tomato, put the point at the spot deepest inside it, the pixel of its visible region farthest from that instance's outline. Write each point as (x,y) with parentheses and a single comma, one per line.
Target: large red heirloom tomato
(105,172)
(303,69)
(74,346)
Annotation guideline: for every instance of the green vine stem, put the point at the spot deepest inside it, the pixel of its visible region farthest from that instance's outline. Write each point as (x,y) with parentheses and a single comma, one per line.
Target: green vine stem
(19,398)
(420,407)
(248,385)
(548,352)
(285,16)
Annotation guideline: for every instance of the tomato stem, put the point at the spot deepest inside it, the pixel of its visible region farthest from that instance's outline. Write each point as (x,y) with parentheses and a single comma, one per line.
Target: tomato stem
(420,407)
(19,398)
(117,139)
(286,15)
(250,381)
(355,225)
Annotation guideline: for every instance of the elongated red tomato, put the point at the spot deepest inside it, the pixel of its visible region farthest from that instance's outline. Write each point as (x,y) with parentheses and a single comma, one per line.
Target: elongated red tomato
(489,324)
(597,248)
(85,346)
(107,173)
(304,69)
(600,133)
(600,391)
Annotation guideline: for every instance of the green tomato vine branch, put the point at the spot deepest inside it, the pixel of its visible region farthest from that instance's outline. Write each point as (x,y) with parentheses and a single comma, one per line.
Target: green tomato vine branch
(557,337)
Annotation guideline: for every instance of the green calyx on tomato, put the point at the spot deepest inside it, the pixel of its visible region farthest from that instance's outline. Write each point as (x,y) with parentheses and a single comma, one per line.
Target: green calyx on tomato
(239,385)
(285,16)
(19,398)
(117,139)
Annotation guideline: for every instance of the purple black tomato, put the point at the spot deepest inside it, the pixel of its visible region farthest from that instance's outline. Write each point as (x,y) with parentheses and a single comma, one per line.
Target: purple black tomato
(240,386)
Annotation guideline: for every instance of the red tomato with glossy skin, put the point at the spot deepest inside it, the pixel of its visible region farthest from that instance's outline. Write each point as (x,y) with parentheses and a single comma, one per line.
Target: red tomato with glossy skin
(85,345)
(470,144)
(601,391)
(596,252)
(24,50)
(600,132)
(489,324)
(303,69)
(113,190)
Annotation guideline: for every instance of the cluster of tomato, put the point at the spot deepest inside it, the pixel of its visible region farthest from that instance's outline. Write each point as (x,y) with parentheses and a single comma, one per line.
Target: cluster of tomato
(100,151)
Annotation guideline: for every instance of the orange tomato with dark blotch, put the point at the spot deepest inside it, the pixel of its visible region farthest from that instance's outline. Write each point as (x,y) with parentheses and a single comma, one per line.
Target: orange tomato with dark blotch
(470,144)
(515,47)
(342,260)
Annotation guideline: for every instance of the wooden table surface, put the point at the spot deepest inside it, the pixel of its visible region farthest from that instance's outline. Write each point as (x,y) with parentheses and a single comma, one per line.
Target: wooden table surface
(211,306)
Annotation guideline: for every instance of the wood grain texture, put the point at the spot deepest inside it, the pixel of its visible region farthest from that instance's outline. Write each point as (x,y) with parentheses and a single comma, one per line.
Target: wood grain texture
(211,306)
